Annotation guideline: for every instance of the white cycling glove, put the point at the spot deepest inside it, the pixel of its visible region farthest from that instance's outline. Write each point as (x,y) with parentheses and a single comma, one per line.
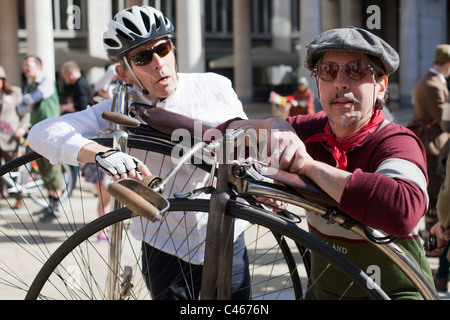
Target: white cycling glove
(116,163)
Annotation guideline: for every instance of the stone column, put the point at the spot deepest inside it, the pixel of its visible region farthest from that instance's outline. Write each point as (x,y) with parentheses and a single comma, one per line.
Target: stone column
(130,3)
(98,24)
(330,14)
(9,54)
(310,28)
(243,70)
(432,30)
(281,39)
(189,29)
(39,25)
(409,50)
(350,12)
(282,25)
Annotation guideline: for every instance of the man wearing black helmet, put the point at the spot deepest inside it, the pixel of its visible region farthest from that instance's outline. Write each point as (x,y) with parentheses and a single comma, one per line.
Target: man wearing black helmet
(374,169)
(139,39)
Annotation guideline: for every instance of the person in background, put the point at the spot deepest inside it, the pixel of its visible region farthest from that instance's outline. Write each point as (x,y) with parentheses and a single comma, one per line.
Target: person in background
(303,99)
(78,100)
(12,126)
(430,97)
(41,100)
(81,89)
(104,87)
(441,230)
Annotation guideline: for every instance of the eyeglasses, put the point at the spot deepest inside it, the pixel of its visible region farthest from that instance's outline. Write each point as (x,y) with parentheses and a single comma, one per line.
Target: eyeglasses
(355,70)
(146,56)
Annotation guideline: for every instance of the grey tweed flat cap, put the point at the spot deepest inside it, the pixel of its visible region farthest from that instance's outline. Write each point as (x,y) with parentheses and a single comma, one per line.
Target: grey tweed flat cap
(355,40)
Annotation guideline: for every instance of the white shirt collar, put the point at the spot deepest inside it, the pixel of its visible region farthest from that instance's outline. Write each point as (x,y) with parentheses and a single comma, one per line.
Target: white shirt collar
(441,76)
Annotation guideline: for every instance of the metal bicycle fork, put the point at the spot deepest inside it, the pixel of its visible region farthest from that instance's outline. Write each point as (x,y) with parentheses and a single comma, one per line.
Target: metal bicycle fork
(216,275)
(120,142)
(218,262)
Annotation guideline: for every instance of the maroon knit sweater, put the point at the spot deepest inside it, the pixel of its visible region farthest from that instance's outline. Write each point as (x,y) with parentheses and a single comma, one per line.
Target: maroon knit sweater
(391,202)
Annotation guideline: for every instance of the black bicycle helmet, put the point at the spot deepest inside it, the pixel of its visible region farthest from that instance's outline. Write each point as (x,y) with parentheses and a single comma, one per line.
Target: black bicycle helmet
(132,27)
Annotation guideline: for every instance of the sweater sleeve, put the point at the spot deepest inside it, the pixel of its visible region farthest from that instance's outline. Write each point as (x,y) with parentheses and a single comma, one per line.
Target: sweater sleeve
(388,186)
(394,205)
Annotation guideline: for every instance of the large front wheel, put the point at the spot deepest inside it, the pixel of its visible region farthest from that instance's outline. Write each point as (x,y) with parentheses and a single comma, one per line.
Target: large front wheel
(275,249)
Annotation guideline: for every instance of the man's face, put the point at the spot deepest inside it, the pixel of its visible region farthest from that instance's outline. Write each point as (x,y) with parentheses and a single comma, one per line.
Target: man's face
(159,76)
(65,74)
(31,68)
(349,103)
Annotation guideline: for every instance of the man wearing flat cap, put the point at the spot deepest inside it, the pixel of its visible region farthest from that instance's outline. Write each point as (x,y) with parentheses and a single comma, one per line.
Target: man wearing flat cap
(374,169)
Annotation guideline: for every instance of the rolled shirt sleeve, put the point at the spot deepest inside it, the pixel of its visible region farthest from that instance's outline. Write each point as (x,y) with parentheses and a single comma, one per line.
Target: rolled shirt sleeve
(61,139)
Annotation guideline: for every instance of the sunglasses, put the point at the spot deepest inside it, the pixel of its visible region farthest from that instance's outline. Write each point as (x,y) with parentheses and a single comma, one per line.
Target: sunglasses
(355,70)
(146,56)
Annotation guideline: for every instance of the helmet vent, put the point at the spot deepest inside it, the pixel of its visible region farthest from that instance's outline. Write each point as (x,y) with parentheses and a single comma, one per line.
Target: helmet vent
(130,26)
(112,43)
(124,35)
(157,22)
(146,21)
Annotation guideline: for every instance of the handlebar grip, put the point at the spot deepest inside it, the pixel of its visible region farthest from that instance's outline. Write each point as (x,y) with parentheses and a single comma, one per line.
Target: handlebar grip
(120,119)
(134,202)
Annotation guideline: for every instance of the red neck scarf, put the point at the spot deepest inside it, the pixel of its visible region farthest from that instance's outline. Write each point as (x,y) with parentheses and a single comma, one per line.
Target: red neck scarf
(340,146)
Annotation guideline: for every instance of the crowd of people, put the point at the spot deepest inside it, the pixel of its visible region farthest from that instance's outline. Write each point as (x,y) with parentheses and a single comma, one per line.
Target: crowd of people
(430,124)
(39,99)
(348,148)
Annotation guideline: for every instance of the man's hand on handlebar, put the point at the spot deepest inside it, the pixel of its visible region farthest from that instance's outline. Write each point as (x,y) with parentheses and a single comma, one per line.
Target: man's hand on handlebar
(120,165)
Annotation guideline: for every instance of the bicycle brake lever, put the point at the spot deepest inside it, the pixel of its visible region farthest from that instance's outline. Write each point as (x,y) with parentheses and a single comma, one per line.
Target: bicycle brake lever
(205,190)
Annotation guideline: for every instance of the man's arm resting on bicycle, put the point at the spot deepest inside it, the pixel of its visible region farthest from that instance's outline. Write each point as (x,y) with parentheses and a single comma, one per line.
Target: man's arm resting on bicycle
(288,153)
(376,207)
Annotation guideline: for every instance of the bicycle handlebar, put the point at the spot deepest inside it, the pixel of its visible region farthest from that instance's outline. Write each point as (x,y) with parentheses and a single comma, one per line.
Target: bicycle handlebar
(139,198)
(120,119)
